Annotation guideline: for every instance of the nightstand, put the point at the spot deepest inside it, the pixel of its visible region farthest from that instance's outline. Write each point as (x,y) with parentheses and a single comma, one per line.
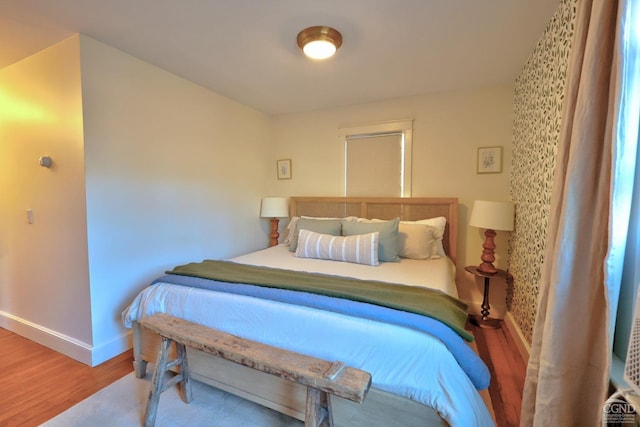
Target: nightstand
(484,321)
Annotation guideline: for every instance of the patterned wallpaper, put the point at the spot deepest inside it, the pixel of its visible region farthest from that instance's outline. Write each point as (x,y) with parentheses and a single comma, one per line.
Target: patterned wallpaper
(538,102)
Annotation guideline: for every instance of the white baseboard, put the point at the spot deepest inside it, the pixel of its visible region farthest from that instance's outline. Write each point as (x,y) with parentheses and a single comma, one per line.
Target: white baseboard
(116,346)
(523,346)
(69,346)
(61,343)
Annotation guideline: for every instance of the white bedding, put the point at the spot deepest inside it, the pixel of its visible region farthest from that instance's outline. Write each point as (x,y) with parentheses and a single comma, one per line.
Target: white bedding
(434,274)
(418,367)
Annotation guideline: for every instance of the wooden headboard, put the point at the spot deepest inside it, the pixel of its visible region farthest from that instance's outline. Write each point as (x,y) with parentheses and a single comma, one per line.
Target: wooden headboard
(407,209)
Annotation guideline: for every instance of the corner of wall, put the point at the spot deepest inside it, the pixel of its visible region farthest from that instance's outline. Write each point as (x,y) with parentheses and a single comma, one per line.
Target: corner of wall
(522,345)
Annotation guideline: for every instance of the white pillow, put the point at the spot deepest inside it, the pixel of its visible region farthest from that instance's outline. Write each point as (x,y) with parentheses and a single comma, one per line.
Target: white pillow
(417,241)
(359,249)
(439,223)
(367,220)
(346,218)
(290,230)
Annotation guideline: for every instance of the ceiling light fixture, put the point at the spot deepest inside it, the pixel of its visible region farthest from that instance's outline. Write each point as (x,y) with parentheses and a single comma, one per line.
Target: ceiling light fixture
(319,42)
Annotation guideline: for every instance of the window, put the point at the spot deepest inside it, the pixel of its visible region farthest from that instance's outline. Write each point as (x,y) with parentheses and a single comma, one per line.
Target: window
(378,159)
(625,240)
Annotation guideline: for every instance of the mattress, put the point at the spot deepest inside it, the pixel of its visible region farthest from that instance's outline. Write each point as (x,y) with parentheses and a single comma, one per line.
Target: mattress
(401,360)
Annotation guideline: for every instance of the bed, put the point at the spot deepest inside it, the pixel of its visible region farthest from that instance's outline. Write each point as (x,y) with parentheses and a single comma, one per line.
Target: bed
(424,372)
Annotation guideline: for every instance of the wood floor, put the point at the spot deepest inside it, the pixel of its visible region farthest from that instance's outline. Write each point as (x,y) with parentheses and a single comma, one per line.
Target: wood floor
(497,349)
(39,383)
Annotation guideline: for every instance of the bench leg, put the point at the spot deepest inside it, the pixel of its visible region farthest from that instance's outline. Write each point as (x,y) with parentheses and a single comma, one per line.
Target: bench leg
(139,364)
(157,383)
(318,409)
(140,368)
(185,383)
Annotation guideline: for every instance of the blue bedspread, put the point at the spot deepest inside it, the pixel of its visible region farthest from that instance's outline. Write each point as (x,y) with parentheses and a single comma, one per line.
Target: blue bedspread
(468,360)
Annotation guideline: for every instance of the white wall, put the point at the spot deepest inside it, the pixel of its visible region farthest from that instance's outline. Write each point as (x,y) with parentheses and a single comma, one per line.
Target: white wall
(44,279)
(174,173)
(448,129)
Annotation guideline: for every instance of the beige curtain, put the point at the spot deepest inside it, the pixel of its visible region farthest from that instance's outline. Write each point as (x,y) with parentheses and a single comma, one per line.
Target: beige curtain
(568,371)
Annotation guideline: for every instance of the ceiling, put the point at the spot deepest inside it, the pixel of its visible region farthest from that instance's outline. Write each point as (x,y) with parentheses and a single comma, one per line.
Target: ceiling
(246,49)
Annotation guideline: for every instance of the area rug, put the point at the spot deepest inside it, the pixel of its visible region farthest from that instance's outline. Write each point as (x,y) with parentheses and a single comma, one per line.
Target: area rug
(122,404)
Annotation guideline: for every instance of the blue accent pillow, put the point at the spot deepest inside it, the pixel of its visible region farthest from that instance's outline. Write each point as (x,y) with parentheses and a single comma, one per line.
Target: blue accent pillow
(322,226)
(388,236)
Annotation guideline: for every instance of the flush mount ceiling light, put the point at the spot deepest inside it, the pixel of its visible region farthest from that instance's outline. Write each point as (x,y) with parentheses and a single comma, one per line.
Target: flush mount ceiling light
(319,42)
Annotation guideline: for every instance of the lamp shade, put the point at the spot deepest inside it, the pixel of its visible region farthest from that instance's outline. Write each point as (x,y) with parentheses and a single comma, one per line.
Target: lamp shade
(274,207)
(492,215)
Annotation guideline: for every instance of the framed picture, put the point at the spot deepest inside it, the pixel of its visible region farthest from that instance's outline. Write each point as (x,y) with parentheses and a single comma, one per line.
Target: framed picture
(284,168)
(489,160)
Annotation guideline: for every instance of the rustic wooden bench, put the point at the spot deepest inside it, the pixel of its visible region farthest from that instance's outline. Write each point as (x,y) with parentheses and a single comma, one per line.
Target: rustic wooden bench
(321,377)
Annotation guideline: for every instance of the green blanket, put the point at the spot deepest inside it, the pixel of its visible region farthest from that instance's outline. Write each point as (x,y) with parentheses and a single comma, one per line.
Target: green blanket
(413,299)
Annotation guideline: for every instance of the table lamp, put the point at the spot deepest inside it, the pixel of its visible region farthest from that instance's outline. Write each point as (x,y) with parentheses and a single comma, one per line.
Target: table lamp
(491,216)
(274,208)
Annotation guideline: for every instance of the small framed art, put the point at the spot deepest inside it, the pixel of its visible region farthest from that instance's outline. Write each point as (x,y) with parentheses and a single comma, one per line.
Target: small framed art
(284,168)
(489,160)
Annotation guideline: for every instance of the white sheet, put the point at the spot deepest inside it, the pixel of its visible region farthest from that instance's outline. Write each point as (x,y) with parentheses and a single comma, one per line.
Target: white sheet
(435,273)
(401,360)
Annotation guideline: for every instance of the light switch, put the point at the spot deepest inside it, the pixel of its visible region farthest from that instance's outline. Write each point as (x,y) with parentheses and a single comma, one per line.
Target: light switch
(30,216)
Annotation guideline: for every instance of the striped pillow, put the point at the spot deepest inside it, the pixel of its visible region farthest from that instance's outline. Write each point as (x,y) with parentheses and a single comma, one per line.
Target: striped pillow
(359,249)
